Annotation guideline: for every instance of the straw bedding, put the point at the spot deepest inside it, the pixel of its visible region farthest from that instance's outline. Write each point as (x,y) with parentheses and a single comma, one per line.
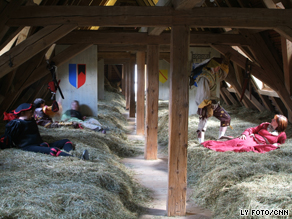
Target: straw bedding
(226,182)
(36,185)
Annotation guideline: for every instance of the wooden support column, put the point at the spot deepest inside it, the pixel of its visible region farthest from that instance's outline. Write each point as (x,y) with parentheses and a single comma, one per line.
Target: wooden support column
(127,69)
(178,121)
(100,76)
(132,106)
(140,122)
(123,80)
(152,81)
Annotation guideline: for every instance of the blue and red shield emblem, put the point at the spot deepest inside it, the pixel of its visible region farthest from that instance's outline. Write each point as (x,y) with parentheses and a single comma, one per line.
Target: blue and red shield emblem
(77,74)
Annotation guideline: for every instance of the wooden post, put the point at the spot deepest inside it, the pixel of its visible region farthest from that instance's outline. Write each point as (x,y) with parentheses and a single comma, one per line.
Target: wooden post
(140,57)
(150,152)
(127,94)
(178,121)
(123,79)
(132,104)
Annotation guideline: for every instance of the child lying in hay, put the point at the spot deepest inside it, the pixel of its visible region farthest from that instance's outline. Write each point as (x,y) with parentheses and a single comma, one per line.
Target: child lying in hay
(263,138)
(23,132)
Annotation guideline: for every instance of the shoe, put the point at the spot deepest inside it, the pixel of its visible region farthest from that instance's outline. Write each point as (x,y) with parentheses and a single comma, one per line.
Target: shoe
(85,155)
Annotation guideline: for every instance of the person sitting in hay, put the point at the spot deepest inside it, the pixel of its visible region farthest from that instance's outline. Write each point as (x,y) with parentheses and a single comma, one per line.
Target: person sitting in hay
(209,74)
(23,133)
(43,115)
(260,139)
(74,115)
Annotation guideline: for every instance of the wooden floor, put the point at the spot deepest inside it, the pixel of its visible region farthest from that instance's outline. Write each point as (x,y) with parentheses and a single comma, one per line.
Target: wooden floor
(153,174)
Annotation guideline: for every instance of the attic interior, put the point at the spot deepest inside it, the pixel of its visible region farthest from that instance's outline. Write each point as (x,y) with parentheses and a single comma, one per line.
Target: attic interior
(255,30)
(263,46)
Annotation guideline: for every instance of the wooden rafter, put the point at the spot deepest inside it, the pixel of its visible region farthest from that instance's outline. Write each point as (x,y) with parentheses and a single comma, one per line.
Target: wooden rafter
(30,47)
(178,5)
(276,84)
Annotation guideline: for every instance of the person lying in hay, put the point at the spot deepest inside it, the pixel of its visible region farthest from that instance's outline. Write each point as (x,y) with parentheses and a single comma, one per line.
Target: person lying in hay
(23,133)
(74,115)
(260,139)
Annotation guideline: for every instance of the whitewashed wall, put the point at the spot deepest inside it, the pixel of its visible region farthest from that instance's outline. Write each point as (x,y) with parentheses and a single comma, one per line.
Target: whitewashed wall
(87,95)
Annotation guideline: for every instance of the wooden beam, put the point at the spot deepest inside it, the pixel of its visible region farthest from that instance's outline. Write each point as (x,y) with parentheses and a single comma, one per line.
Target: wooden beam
(238,74)
(5,15)
(231,79)
(150,152)
(19,85)
(287,63)
(133,16)
(178,121)
(285,31)
(128,47)
(115,61)
(225,98)
(115,55)
(30,47)
(8,79)
(178,5)
(117,71)
(123,79)
(97,37)
(240,60)
(140,121)
(132,106)
(263,55)
(230,97)
(265,101)
(127,69)
(279,105)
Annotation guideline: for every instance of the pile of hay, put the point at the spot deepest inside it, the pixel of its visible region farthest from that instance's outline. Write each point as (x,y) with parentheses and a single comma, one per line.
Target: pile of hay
(36,185)
(226,182)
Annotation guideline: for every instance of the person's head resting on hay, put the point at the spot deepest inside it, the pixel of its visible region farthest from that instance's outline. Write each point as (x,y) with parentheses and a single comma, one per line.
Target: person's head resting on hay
(279,123)
(260,139)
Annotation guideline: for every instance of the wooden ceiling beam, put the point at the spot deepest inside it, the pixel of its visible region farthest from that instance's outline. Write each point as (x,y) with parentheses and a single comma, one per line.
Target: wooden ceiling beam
(274,82)
(32,46)
(285,31)
(96,37)
(135,16)
(59,59)
(5,15)
(178,5)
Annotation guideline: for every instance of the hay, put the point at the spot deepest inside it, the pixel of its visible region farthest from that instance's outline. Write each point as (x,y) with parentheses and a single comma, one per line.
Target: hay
(227,182)
(36,185)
